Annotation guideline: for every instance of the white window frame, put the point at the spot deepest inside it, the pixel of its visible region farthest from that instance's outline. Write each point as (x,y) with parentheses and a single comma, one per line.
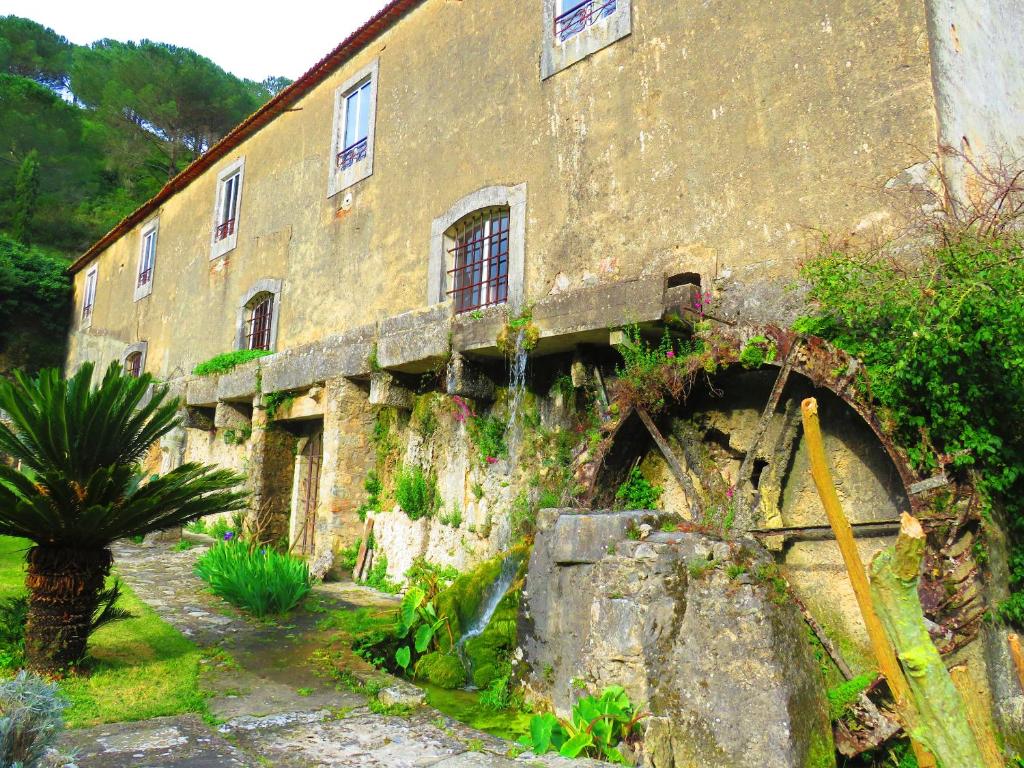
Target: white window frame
(339,179)
(222,246)
(89,296)
(557,54)
(148,233)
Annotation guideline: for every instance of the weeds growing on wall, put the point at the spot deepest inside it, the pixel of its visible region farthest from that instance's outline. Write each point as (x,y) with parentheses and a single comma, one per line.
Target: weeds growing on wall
(488,436)
(416,492)
(938,321)
(228,361)
(374,488)
(276,402)
(651,376)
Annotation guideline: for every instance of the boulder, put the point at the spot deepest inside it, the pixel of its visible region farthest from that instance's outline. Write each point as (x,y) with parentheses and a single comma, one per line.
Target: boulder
(696,628)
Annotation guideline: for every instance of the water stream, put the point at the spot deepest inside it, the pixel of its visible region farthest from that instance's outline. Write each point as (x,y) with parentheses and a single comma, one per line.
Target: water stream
(517,387)
(495,592)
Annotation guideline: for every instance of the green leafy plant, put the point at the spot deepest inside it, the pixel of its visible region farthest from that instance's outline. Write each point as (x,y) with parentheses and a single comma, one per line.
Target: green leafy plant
(79,488)
(374,487)
(637,492)
(940,331)
(228,361)
(598,725)
(757,351)
(416,492)
(258,580)
(488,436)
(519,329)
(13,616)
(276,402)
(418,621)
(378,579)
(652,375)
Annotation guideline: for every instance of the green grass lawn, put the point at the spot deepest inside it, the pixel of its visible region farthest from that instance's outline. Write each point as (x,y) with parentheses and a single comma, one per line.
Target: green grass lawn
(139,668)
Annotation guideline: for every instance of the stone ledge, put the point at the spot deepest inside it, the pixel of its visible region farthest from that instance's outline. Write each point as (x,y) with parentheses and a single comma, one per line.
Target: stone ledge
(239,383)
(415,342)
(201,391)
(340,355)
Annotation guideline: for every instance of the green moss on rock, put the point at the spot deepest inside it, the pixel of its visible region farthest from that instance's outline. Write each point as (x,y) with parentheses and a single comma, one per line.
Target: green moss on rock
(441,669)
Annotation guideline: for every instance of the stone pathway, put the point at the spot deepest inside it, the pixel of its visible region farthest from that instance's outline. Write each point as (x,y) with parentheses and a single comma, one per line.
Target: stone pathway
(274,707)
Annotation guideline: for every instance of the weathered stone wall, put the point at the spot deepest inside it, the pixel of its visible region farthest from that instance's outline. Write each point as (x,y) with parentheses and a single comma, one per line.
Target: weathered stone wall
(719,659)
(705,141)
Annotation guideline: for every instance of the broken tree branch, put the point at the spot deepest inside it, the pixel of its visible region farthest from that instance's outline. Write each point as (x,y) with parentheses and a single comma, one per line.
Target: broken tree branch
(942,721)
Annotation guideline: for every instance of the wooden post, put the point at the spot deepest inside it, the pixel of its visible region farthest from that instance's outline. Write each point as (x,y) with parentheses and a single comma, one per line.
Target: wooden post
(978,717)
(673,464)
(942,721)
(1018,656)
(361,558)
(884,654)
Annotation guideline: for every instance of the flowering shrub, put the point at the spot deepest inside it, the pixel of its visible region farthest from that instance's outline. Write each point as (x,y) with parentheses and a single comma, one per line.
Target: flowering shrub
(260,581)
(651,376)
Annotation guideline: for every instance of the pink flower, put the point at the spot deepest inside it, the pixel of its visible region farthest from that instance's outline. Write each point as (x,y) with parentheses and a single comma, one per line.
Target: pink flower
(464,411)
(492,460)
(731,492)
(671,353)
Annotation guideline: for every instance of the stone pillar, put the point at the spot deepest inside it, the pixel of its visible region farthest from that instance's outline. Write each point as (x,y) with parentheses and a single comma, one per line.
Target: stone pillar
(270,475)
(348,454)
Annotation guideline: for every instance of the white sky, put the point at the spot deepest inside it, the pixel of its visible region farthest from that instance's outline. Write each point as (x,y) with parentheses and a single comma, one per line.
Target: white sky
(250,39)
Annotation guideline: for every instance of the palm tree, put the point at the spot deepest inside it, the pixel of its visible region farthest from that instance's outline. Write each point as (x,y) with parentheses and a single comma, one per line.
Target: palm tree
(80,487)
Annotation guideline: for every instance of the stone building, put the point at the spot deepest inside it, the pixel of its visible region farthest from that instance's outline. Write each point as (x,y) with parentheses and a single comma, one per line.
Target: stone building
(451,163)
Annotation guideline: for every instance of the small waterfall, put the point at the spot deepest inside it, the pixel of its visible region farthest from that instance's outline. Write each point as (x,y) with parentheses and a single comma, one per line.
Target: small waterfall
(495,592)
(517,385)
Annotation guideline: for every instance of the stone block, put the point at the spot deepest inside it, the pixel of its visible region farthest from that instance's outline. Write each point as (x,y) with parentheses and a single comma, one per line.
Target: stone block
(402,694)
(415,342)
(721,664)
(478,331)
(201,391)
(585,538)
(232,416)
(344,354)
(385,390)
(468,380)
(197,418)
(239,383)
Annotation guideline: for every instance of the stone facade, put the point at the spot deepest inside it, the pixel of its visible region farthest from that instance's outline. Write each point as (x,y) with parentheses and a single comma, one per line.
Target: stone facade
(677,148)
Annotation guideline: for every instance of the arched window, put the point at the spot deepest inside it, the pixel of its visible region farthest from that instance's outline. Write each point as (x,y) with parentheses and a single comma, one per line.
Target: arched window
(259,322)
(133,364)
(478,250)
(478,276)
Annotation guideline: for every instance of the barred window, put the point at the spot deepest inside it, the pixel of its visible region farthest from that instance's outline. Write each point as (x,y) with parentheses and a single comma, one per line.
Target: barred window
(259,322)
(479,273)
(133,364)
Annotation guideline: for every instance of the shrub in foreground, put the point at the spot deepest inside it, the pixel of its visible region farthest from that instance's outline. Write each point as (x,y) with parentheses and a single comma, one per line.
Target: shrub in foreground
(31,719)
(260,581)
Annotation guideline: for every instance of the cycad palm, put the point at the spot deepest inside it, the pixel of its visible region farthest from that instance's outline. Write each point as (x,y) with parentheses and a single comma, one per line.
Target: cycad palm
(77,486)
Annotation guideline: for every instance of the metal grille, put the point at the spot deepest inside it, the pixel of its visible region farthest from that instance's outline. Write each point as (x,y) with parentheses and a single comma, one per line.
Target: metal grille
(313,455)
(225,230)
(145,275)
(578,18)
(257,335)
(353,154)
(133,364)
(480,275)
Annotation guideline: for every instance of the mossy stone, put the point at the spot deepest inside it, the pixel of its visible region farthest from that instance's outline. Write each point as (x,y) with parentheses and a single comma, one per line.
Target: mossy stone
(441,669)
